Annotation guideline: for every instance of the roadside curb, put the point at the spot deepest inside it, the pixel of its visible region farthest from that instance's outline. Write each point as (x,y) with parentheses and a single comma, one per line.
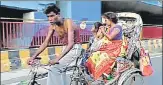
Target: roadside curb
(15,59)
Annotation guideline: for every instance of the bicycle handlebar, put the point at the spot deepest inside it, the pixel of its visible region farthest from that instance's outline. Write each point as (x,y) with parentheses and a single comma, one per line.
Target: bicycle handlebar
(39,58)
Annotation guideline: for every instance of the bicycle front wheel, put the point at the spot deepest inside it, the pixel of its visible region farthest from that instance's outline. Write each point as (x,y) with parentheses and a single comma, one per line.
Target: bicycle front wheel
(134,79)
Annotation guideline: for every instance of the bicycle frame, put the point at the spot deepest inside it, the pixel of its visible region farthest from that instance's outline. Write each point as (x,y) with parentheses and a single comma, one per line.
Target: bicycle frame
(34,72)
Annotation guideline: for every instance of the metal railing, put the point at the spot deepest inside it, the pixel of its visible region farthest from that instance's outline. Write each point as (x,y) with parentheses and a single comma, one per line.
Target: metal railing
(33,33)
(30,34)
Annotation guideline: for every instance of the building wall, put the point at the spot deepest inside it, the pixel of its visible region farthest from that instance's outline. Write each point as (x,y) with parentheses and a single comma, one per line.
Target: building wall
(90,10)
(152,32)
(39,15)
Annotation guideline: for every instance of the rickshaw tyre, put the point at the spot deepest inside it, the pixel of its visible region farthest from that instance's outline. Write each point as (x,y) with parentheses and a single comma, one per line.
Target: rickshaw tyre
(131,76)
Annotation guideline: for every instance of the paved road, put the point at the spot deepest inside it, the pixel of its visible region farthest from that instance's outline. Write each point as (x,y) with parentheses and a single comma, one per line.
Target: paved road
(155,79)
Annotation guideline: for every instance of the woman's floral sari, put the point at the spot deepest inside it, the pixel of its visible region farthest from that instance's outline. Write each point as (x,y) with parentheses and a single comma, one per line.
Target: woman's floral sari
(102,61)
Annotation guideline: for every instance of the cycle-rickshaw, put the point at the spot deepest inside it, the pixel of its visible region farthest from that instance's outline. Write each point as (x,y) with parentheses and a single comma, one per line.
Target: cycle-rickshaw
(132,27)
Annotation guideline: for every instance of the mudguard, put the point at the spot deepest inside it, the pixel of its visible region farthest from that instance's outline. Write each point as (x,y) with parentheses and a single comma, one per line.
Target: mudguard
(126,74)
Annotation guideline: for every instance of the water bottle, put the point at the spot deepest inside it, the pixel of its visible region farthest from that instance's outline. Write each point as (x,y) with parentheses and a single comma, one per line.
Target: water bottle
(108,77)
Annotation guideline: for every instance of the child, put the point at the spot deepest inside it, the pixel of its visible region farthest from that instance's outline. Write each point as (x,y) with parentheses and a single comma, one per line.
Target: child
(95,41)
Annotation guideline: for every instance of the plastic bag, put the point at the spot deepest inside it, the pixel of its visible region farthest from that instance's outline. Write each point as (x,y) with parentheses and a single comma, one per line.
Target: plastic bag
(145,63)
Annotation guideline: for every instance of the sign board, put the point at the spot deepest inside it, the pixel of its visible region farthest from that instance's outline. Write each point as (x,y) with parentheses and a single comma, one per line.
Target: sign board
(83,25)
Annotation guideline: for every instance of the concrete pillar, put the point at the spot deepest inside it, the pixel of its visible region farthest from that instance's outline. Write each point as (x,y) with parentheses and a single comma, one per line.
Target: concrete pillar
(66,8)
(79,10)
(90,10)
